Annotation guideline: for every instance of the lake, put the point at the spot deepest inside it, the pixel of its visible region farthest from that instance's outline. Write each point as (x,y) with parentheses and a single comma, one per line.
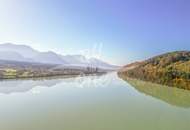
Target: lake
(103,102)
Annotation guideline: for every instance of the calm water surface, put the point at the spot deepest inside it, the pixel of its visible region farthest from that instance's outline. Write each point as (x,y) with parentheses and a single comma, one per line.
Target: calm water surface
(92,103)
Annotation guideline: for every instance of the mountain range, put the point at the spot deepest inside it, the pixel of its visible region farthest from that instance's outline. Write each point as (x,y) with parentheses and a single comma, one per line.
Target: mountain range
(24,53)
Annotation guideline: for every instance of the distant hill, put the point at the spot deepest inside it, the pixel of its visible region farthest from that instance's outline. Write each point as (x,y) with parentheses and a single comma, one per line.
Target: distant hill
(24,53)
(49,58)
(172,69)
(23,50)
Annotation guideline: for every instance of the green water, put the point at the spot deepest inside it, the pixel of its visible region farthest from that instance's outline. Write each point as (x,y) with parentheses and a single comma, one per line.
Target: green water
(92,103)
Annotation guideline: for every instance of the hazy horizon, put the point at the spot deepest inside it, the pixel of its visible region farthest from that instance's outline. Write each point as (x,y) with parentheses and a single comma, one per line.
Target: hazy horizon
(118,32)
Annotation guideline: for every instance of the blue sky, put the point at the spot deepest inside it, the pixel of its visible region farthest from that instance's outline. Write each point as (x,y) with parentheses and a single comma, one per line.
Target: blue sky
(117,31)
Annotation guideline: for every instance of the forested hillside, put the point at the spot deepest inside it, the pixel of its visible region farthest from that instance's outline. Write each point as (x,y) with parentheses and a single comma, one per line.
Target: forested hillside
(172,69)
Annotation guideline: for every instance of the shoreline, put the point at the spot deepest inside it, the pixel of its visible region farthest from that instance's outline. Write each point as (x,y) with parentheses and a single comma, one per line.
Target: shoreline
(49,77)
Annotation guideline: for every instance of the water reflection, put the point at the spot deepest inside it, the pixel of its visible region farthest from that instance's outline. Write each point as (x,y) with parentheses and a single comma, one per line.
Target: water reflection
(170,95)
(25,85)
(86,103)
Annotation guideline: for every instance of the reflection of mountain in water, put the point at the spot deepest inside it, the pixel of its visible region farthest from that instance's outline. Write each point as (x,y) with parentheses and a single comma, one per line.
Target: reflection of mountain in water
(13,86)
(173,96)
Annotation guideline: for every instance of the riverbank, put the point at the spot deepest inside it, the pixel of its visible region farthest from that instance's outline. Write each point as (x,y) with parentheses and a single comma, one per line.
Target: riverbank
(22,70)
(47,77)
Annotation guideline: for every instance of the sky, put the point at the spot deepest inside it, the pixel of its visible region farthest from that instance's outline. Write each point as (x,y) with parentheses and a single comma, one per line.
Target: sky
(117,31)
